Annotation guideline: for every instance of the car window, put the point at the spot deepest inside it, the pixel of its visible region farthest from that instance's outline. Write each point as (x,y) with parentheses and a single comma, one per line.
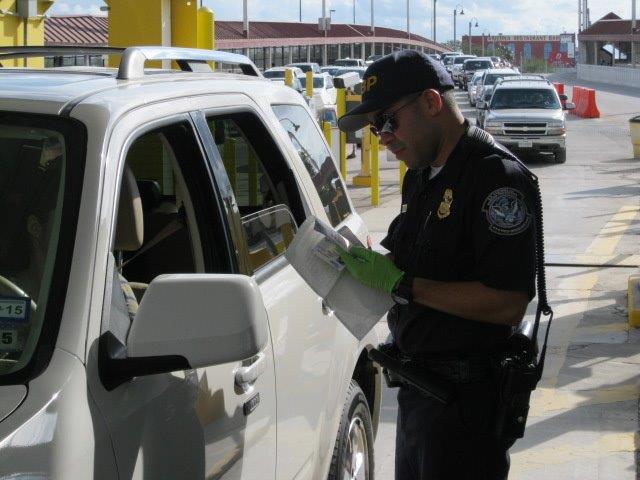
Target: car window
(166,222)
(476,64)
(317,159)
(261,180)
(318,82)
(520,98)
(490,78)
(274,74)
(38,161)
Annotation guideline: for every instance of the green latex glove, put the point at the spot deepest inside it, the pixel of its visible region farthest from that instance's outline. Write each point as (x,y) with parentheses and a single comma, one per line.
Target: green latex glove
(371,268)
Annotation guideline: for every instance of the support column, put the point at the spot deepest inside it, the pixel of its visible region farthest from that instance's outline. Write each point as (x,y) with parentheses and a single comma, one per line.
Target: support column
(351,50)
(363,51)
(269,57)
(290,54)
(324,54)
(309,47)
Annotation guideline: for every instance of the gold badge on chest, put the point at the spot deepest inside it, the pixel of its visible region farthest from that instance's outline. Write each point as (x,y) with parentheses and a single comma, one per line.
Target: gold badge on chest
(444,210)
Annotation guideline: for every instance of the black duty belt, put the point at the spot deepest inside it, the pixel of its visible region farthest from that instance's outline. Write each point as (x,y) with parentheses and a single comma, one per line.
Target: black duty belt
(457,371)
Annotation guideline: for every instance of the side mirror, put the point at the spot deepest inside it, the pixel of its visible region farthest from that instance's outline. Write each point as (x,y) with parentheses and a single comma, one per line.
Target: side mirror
(569,106)
(563,97)
(189,321)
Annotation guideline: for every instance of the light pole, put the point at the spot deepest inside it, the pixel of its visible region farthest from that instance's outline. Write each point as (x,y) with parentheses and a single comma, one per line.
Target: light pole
(354,12)
(470,22)
(434,21)
(331,10)
(455,12)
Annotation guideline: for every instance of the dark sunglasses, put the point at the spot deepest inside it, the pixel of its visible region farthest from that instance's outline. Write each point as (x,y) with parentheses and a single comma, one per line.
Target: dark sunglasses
(386,122)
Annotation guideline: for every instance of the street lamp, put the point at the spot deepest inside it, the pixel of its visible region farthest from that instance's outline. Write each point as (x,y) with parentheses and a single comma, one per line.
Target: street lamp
(483,32)
(470,22)
(455,12)
(354,12)
(331,10)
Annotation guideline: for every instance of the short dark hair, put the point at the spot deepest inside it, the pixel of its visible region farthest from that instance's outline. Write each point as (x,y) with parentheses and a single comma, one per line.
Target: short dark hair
(449,99)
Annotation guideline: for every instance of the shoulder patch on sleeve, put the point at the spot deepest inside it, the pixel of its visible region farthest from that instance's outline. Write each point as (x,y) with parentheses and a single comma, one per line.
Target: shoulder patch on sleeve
(507,212)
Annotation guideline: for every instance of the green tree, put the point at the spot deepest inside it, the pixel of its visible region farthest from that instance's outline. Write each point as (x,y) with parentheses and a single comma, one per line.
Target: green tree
(503,52)
(455,46)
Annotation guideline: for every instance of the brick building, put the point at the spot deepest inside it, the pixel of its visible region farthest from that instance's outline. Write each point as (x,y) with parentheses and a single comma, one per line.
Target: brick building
(558,50)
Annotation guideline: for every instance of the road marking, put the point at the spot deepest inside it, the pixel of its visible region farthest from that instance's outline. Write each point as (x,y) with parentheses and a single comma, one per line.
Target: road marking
(611,234)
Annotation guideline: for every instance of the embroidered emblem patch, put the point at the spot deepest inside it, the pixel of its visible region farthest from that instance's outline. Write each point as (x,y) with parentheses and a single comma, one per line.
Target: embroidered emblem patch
(444,210)
(507,212)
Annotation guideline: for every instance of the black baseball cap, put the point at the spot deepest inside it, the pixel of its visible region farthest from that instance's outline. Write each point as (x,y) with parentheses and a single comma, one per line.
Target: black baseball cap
(391,78)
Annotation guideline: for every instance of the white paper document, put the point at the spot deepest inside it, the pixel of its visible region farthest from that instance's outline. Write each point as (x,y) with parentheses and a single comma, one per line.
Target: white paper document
(314,255)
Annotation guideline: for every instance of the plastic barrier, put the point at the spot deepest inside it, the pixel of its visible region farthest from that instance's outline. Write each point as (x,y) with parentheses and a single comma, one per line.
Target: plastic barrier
(585,101)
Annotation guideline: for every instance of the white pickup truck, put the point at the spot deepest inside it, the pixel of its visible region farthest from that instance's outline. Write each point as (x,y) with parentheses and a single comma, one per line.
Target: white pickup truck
(150,324)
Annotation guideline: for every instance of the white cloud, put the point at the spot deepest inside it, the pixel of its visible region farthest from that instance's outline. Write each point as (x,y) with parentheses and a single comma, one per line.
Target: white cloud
(76,8)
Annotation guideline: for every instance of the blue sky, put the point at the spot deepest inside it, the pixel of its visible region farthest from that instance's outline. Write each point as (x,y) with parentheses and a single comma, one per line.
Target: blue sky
(521,17)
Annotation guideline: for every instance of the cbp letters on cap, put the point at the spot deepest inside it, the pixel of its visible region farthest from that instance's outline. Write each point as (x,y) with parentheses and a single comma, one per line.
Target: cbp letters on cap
(369,82)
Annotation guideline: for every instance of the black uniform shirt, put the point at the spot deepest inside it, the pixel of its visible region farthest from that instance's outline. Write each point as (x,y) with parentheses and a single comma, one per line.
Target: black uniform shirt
(474,221)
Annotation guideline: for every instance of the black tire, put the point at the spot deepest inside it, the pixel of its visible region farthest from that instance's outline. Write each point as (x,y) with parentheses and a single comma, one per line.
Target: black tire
(561,155)
(355,426)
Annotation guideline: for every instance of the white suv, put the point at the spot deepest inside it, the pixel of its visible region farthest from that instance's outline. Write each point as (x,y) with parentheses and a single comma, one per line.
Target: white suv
(150,325)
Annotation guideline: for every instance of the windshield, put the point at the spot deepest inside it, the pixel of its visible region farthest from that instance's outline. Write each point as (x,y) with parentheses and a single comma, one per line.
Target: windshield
(33,190)
(521,98)
(342,71)
(448,60)
(477,64)
(348,63)
(490,78)
(274,74)
(460,59)
(318,82)
(304,67)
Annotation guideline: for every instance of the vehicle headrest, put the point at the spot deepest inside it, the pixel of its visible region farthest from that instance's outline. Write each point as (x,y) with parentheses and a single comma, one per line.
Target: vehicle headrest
(149,193)
(130,225)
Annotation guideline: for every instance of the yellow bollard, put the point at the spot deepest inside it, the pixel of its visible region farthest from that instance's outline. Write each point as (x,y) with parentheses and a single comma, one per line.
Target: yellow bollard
(402,168)
(341,104)
(364,178)
(309,84)
(326,129)
(229,160)
(288,77)
(375,170)
(633,297)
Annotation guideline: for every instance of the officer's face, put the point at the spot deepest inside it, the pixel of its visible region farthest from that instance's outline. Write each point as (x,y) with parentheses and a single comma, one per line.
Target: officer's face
(415,133)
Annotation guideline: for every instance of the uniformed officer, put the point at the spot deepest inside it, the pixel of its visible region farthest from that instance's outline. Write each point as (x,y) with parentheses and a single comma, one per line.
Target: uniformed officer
(461,265)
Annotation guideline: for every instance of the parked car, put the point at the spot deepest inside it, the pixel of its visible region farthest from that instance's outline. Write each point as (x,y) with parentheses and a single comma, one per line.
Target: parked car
(471,66)
(306,66)
(279,72)
(151,326)
(349,62)
(446,55)
(456,68)
(526,116)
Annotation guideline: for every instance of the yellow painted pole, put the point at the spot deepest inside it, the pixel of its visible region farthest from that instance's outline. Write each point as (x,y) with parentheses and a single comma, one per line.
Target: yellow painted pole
(309,84)
(364,178)
(341,104)
(229,160)
(206,30)
(288,77)
(402,168)
(326,129)
(375,170)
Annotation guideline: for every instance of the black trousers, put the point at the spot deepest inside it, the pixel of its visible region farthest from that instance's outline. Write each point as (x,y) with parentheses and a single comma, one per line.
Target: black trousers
(450,442)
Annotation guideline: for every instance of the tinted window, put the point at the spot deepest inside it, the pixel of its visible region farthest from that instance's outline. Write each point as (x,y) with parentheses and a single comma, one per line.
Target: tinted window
(460,59)
(519,98)
(274,74)
(477,64)
(317,159)
(490,78)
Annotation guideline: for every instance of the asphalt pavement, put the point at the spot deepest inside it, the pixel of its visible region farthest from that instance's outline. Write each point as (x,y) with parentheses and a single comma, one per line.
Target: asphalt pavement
(583,423)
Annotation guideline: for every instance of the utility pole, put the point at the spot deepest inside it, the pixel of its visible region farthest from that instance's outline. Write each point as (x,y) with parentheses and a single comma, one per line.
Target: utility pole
(373,27)
(633,33)
(408,14)
(245,18)
(434,21)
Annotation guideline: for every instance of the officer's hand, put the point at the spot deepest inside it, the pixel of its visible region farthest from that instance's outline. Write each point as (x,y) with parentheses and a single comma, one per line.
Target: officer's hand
(371,268)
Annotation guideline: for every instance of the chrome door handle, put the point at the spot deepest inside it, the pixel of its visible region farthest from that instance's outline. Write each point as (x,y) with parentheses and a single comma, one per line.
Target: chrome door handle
(250,373)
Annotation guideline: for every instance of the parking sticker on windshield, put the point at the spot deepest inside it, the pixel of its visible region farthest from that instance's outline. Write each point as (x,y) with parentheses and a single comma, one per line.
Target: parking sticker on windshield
(15,309)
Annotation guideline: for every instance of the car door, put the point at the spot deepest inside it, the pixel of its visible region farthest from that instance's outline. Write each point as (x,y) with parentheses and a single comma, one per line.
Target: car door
(303,331)
(193,423)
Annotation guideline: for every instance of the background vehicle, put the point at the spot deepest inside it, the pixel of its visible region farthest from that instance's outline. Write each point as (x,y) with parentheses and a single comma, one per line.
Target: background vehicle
(471,66)
(330,69)
(481,100)
(526,116)
(349,62)
(161,331)
(473,85)
(456,68)
(324,92)
(359,70)
(279,72)
(490,77)
(306,66)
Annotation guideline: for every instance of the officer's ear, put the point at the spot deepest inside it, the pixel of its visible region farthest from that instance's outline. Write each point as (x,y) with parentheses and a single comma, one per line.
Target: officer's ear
(432,101)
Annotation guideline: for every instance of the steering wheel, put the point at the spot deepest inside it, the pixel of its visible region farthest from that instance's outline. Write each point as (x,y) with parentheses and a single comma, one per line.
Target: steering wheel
(8,287)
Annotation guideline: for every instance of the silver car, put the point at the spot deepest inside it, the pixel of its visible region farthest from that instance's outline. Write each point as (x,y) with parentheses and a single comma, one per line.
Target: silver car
(151,326)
